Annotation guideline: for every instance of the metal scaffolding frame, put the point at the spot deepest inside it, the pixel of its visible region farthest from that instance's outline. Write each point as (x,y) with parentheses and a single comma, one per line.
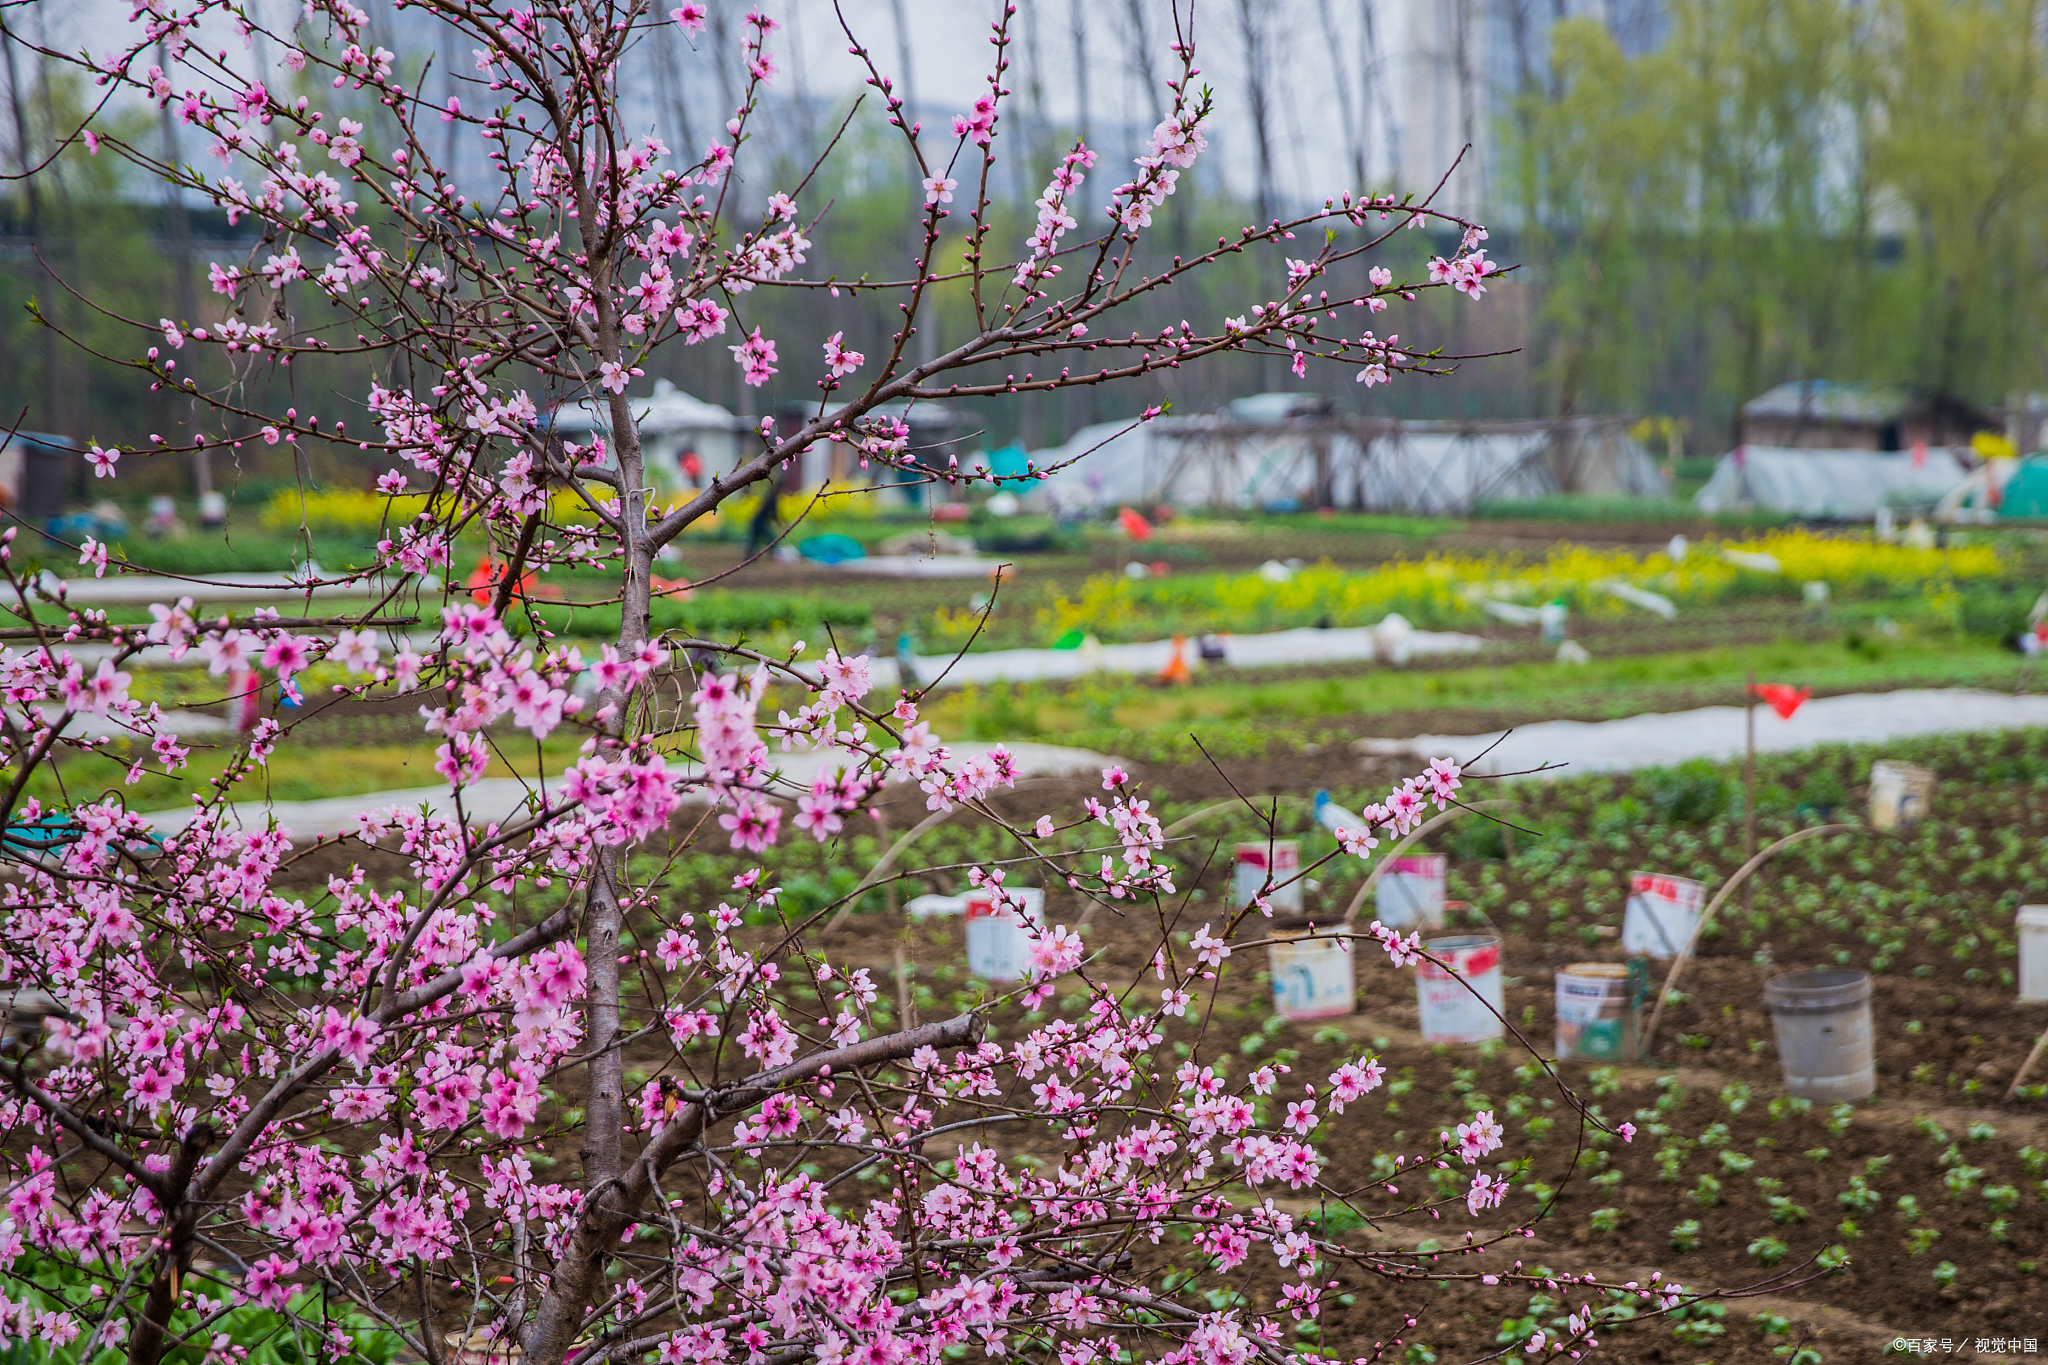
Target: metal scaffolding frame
(1390,464)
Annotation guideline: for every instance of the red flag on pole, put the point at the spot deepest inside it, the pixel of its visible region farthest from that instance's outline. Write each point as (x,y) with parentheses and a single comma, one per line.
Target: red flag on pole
(1781,697)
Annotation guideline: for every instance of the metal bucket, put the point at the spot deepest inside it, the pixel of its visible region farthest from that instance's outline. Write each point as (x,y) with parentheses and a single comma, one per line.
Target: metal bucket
(1314,975)
(1410,894)
(1661,914)
(1278,861)
(1825,1044)
(1453,1003)
(1600,1011)
(998,941)
(1900,794)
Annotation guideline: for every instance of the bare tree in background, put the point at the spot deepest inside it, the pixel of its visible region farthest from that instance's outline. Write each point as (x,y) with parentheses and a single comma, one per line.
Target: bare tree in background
(908,73)
(1351,109)
(928,333)
(1522,40)
(32,205)
(1462,39)
(1033,167)
(666,61)
(1251,16)
(1138,43)
(178,244)
(1077,13)
(1375,79)
(53,223)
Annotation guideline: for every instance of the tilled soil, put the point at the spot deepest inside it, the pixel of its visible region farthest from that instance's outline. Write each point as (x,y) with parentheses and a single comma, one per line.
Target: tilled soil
(1960,1260)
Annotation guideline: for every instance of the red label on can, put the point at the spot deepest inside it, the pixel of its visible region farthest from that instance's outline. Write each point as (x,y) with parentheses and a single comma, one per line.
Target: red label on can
(1649,884)
(1470,962)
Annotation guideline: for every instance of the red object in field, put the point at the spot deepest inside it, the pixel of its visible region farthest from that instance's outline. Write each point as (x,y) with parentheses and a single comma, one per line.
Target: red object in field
(485,578)
(1176,670)
(1919,454)
(1135,526)
(670,587)
(245,700)
(1782,697)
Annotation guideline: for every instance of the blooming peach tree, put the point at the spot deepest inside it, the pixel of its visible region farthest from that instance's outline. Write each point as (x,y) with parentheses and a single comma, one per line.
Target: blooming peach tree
(275,1110)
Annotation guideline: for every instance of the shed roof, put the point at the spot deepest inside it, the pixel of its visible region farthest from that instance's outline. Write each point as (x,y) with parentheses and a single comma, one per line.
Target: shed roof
(669,409)
(1830,400)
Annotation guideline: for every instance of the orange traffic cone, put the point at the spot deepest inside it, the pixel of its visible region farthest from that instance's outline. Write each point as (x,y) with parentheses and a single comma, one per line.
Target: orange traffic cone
(1176,670)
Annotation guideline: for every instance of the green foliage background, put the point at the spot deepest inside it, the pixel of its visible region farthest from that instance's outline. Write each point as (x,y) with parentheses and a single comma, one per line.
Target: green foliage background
(1786,189)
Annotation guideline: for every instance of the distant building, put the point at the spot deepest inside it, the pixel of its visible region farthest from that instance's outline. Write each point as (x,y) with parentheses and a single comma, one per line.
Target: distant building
(683,440)
(36,472)
(1824,414)
(1288,451)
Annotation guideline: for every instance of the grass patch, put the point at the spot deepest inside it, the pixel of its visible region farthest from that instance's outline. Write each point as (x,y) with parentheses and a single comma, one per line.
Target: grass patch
(1352,523)
(1593,508)
(295,772)
(1136,719)
(724,613)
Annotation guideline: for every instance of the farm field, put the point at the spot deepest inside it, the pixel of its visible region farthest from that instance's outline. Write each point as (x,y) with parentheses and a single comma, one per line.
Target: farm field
(1936,1193)
(1832,1230)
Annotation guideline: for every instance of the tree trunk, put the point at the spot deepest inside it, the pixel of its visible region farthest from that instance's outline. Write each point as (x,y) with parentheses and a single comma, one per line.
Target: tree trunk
(579,1275)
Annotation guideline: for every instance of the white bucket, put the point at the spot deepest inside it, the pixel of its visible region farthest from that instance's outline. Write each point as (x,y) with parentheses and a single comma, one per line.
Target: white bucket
(998,944)
(1281,861)
(1410,893)
(1900,794)
(1314,977)
(2033,927)
(1453,1004)
(1661,915)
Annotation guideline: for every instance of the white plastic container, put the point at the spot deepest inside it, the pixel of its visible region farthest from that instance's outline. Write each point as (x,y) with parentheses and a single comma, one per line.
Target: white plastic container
(1454,1003)
(998,941)
(1314,975)
(1410,894)
(2033,933)
(1281,861)
(1900,794)
(1661,915)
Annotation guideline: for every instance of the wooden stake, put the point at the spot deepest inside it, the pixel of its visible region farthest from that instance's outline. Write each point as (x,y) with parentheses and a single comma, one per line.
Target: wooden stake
(882,839)
(1749,791)
(906,1008)
(1699,928)
(2026,1066)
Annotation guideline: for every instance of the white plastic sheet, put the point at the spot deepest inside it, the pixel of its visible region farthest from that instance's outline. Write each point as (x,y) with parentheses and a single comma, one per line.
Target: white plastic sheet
(1844,485)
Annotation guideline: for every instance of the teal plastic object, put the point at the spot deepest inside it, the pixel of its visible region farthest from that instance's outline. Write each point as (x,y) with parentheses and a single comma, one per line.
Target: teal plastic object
(1010,462)
(2026,493)
(831,548)
(58,829)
